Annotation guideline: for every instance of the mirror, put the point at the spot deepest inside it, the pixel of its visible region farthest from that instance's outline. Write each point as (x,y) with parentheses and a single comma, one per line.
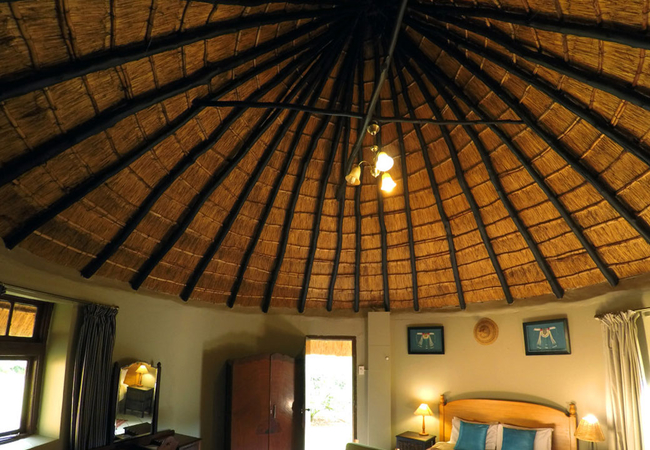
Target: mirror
(137,387)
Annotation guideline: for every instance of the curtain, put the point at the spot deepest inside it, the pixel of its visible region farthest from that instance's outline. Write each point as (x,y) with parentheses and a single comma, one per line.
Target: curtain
(625,378)
(91,392)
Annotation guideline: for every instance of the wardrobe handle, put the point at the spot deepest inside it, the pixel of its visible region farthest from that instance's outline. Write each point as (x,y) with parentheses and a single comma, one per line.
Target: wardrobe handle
(274,411)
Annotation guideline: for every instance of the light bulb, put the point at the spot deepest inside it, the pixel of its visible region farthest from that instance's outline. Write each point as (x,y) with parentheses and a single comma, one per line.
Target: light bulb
(354,177)
(387,183)
(384,162)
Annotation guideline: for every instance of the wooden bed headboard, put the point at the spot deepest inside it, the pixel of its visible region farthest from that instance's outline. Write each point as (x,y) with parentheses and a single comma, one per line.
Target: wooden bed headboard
(521,414)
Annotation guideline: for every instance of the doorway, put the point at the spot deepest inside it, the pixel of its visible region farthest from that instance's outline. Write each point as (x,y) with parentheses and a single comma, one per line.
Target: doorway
(330,392)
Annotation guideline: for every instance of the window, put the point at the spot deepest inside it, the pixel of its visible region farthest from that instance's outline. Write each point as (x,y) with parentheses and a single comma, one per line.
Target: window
(23,332)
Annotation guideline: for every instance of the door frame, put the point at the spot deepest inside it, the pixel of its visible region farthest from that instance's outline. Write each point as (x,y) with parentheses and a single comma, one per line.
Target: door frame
(354,371)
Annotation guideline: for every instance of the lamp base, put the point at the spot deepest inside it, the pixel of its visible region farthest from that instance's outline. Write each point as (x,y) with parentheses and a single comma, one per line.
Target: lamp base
(424,434)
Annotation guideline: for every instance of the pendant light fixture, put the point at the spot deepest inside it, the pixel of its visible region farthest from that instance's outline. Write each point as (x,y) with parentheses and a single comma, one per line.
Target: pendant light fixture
(381,165)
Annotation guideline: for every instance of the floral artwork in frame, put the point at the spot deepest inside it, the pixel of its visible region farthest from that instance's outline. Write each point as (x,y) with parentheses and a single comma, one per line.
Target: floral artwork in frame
(426,340)
(547,337)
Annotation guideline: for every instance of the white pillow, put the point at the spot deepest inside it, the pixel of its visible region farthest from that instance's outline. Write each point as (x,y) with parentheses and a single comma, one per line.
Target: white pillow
(543,437)
(490,440)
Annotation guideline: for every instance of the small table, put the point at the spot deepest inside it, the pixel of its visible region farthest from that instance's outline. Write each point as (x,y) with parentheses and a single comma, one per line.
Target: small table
(138,398)
(411,440)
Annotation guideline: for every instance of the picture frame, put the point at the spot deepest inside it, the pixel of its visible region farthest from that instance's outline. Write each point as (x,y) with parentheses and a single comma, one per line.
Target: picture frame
(547,337)
(426,340)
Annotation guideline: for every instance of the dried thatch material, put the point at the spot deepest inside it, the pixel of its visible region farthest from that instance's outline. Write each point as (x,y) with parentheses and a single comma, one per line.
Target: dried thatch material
(108,165)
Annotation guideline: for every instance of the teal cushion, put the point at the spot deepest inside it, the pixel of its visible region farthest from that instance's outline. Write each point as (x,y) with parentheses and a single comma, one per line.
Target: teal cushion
(518,439)
(471,436)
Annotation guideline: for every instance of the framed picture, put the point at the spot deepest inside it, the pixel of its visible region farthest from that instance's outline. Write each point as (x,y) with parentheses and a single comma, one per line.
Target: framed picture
(547,337)
(426,341)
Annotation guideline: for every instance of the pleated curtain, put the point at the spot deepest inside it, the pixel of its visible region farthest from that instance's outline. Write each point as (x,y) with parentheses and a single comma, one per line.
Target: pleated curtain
(91,398)
(625,379)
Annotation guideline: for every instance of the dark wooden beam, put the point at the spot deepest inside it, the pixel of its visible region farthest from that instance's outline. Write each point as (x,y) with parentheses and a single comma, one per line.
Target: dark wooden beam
(376,92)
(586,172)
(357,191)
(110,117)
(133,52)
(349,99)
(407,199)
(460,177)
(380,198)
(431,71)
(344,77)
(288,220)
(76,193)
(436,193)
(496,183)
(542,22)
(164,183)
(597,121)
(348,113)
(317,87)
(215,245)
(558,65)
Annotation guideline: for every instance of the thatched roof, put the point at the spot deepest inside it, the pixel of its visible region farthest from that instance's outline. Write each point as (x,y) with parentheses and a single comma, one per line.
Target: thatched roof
(117,158)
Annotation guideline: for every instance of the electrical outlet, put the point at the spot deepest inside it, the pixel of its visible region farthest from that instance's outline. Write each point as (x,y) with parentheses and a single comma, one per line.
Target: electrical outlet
(362,370)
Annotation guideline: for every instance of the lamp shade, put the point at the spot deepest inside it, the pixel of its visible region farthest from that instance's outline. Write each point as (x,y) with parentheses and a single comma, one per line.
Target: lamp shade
(142,369)
(423,410)
(387,183)
(589,430)
(384,162)
(354,177)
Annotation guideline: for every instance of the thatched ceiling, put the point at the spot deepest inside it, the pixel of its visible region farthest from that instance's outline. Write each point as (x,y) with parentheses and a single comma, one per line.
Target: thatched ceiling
(113,161)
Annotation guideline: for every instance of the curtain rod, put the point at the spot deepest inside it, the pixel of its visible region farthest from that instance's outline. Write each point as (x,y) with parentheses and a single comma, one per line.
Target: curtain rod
(33,294)
(641,310)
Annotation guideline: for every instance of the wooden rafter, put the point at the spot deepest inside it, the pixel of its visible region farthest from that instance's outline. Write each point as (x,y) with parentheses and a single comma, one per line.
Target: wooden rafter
(407,194)
(316,88)
(597,121)
(344,76)
(585,172)
(467,192)
(85,187)
(376,91)
(436,193)
(347,113)
(110,117)
(541,22)
(289,214)
(105,60)
(496,183)
(435,74)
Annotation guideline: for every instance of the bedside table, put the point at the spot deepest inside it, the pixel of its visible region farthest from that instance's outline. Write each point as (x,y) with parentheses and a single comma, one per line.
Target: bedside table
(411,440)
(138,398)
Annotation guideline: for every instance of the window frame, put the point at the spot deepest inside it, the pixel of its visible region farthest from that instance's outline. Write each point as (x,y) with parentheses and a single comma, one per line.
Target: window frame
(33,350)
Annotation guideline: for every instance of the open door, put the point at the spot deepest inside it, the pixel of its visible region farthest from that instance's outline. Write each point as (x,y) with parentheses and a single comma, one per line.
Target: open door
(330,392)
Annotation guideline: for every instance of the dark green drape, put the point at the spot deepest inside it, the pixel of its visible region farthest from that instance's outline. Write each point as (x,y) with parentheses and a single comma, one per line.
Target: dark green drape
(91,392)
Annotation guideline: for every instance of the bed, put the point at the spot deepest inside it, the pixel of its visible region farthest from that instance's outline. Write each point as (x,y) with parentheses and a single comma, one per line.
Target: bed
(523,414)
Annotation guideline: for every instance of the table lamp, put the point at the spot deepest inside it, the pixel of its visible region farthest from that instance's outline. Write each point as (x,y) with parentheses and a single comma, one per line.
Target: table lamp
(589,430)
(423,410)
(140,371)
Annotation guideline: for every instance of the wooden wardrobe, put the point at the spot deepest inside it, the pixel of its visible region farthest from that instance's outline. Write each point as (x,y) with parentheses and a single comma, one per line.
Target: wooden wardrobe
(263,412)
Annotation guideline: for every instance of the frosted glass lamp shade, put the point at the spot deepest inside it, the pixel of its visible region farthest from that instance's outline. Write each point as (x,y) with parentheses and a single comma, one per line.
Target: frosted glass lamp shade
(589,430)
(384,162)
(142,369)
(423,410)
(354,177)
(387,183)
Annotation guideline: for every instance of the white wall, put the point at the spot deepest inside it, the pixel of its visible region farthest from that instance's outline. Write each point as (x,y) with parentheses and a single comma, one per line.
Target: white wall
(502,370)
(192,342)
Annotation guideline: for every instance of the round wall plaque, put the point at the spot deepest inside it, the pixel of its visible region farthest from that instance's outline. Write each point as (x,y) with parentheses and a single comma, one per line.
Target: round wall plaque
(486,331)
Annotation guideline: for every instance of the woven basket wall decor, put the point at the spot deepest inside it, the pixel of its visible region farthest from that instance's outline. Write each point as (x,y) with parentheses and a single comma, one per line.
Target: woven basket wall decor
(486,331)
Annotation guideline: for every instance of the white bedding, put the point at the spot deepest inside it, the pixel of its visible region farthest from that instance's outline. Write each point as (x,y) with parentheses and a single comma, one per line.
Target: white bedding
(443,446)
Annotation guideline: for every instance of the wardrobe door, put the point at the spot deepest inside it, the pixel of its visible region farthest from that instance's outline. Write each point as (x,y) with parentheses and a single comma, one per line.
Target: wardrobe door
(250,386)
(283,412)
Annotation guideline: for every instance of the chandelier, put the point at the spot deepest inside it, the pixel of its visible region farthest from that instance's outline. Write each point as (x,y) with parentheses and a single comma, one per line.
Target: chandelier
(381,164)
